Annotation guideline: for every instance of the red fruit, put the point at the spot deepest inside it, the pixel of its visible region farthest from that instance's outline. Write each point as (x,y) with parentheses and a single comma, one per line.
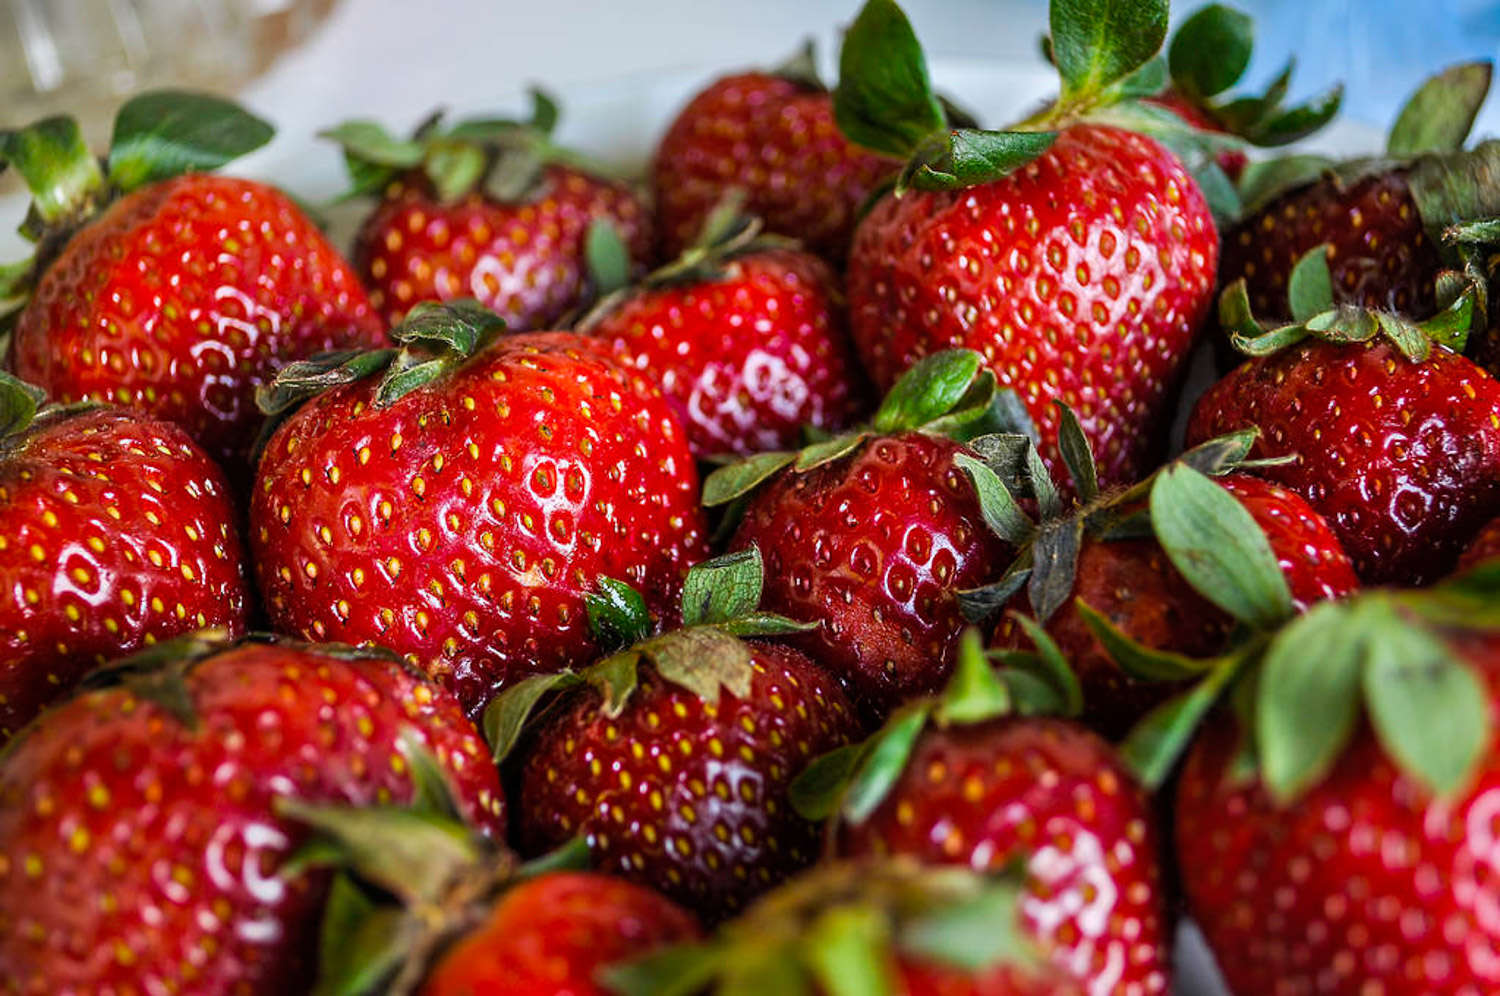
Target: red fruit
(681,792)
(1486,546)
(524,258)
(461,522)
(873,546)
(182,298)
(748,355)
(139,850)
(116,531)
(1081,276)
(1400,456)
(553,934)
(775,140)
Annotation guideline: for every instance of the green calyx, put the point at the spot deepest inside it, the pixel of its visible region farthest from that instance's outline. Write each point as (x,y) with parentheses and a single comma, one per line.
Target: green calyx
(945,394)
(19,403)
(708,655)
(840,929)
(1315,314)
(157,135)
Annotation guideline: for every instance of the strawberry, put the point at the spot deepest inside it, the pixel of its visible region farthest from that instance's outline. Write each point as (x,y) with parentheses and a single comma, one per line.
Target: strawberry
(1132,565)
(891,927)
(457,507)
(962,779)
(1394,438)
(175,295)
(1486,546)
(116,531)
(871,533)
(485,208)
(772,136)
(1335,833)
(140,849)
(746,335)
(672,758)
(1078,260)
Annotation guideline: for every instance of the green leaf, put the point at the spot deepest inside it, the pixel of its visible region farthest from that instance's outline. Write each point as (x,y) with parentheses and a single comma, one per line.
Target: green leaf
(1153,747)
(848,950)
(1297,122)
(607,257)
(431,792)
(980,604)
(889,751)
(572,856)
(801,67)
(1405,335)
(929,389)
(1430,709)
(817,454)
(1264,181)
(303,379)
(681,970)
(1437,118)
(764,624)
(727,483)
(974,693)
(967,157)
(1055,668)
(1310,287)
(985,410)
(371,143)
(1219,547)
(166,133)
(454,167)
(1147,81)
(1013,458)
(1218,190)
(815,793)
(723,588)
(1002,513)
(361,942)
(617,614)
(60,172)
(1054,566)
(884,100)
(461,325)
(1135,658)
(975,933)
(506,715)
(1098,42)
(18,403)
(16,279)
(1221,454)
(616,678)
(544,110)
(1077,455)
(1308,697)
(1210,50)
(704,660)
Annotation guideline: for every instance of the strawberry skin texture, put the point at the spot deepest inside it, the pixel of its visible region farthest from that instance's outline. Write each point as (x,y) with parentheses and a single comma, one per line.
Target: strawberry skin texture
(182,298)
(1134,585)
(524,260)
(748,359)
(1082,276)
(872,546)
(1486,546)
(462,524)
(1401,458)
(553,934)
(776,141)
(139,855)
(1051,793)
(686,796)
(116,531)
(1365,884)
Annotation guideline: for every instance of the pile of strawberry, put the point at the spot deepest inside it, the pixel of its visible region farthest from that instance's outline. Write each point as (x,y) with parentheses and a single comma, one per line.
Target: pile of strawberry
(780,580)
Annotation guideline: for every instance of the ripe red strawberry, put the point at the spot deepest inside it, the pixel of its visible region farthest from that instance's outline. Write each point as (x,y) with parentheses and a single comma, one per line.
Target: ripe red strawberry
(673,759)
(139,847)
(457,508)
(1395,439)
(115,532)
(1486,546)
(485,209)
(1080,262)
(174,295)
(746,336)
(871,534)
(962,780)
(1346,856)
(893,927)
(773,137)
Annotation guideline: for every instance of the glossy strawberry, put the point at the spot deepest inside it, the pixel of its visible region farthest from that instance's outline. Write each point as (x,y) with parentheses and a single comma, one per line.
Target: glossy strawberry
(773,137)
(962,781)
(460,521)
(673,758)
(139,846)
(183,295)
(747,339)
(116,531)
(485,209)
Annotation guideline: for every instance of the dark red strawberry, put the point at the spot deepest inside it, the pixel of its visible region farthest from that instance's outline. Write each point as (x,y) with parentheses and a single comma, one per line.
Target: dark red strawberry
(140,848)
(965,780)
(174,295)
(773,137)
(891,927)
(1347,849)
(457,507)
(746,336)
(1394,439)
(673,757)
(116,531)
(484,208)
(871,534)
(1079,260)
(1486,546)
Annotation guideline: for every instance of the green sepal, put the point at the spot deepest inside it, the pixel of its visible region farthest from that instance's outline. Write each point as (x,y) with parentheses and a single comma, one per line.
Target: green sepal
(815,794)
(1052,667)
(617,615)
(801,67)
(1054,565)
(19,402)
(16,280)
(362,942)
(1283,126)
(1310,286)
(60,172)
(370,142)
(974,693)
(1210,51)
(967,157)
(1136,659)
(764,624)
(884,100)
(975,932)
(928,390)
(1264,181)
(827,451)
(454,167)
(1096,43)
(980,604)
(1154,746)
(1014,460)
(847,950)
(1147,81)
(736,480)
(431,793)
(680,970)
(1077,455)
(303,379)
(1456,187)
(545,111)
(508,714)
(722,589)
(166,133)
(985,409)
(158,673)
(1438,117)
(607,257)
(889,750)
(704,660)
(572,856)
(461,325)
(1002,513)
